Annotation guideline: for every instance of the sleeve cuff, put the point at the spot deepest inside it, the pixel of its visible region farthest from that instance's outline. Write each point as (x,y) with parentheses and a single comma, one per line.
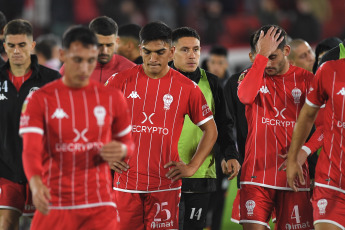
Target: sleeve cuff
(306,149)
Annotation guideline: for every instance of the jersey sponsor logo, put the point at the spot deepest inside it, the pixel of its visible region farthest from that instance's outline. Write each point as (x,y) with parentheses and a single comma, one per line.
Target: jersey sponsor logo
(80,135)
(279,112)
(250,205)
(134,94)
(163,225)
(264,90)
(205,109)
(99,112)
(59,114)
(148,118)
(3,97)
(24,120)
(167,99)
(341,92)
(276,122)
(341,124)
(297,226)
(296,94)
(322,204)
(78,147)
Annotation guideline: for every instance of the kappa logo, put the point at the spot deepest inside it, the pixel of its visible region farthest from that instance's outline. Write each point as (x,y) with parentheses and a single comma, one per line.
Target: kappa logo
(3,97)
(264,90)
(342,91)
(59,114)
(134,94)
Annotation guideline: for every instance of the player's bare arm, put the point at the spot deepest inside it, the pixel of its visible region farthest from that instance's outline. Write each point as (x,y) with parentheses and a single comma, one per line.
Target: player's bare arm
(180,169)
(301,131)
(114,151)
(40,194)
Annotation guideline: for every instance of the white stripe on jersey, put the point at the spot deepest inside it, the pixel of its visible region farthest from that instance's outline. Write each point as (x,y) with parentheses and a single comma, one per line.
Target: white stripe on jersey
(275,132)
(286,133)
(60,141)
(31,130)
(73,126)
(48,141)
(341,140)
(264,102)
(87,151)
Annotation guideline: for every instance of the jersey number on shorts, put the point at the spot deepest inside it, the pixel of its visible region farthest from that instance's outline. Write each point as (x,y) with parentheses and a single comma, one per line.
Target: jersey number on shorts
(295,214)
(197,214)
(4,86)
(160,208)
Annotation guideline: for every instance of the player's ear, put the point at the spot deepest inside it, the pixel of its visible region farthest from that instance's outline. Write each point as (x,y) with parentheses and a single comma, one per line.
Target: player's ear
(286,50)
(62,54)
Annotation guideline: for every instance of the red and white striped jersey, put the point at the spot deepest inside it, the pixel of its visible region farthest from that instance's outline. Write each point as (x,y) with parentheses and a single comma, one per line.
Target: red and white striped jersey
(272,107)
(157,108)
(76,123)
(329,87)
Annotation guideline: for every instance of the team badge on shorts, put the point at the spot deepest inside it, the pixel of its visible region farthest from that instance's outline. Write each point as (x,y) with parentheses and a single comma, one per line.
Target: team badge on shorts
(250,205)
(322,204)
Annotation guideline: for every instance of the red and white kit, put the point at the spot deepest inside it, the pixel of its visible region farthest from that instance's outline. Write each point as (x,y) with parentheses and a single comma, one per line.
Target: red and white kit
(329,88)
(76,123)
(157,108)
(272,107)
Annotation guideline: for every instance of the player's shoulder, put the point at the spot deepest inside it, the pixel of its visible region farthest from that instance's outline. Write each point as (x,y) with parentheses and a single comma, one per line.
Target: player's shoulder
(300,73)
(124,62)
(124,75)
(181,79)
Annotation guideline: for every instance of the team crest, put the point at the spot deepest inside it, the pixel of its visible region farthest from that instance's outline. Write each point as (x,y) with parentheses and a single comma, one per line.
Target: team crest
(100,112)
(296,93)
(167,99)
(250,205)
(322,204)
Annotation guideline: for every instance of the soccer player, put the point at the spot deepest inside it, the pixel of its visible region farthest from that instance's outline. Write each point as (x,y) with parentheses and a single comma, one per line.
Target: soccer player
(108,63)
(336,53)
(148,192)
(217,63)
(129,43)
(19,76)
(329,192)
(72,130)
(273,92)
(322,48)
(197,190)
(301,54)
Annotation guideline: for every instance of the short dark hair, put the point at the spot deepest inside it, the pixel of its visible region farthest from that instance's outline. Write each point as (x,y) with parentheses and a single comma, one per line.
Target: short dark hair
(184,32)
(3,21)
(219,50)
(81,34)
(103,25)
(251,43)
(154,31)
(265,29)
(45,45)
(18,26)
(130,30)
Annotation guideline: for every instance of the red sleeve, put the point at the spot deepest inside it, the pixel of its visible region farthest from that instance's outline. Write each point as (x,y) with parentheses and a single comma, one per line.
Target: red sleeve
(198,110)
(250,85)
(62,70)
(317,96)
(315,142)
(112,82)
(122,129)
(31,129)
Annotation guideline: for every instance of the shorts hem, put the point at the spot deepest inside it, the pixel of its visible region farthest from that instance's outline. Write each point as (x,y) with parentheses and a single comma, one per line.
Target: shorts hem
(235,221)
(329,222)
(11,208)
(254,222)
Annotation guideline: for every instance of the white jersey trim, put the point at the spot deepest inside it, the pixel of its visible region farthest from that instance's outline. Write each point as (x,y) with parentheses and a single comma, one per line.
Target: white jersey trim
(10,208)
(138,191)
(205,120)
(311,104)
(124,132)
(31,130)
(306,149)
(83,206)
(234,220)
(254,222)
(329,187)
(275,187)
(329,222)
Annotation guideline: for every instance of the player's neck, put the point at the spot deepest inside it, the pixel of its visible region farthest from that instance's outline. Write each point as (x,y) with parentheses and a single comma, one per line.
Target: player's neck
(158,75)
(20,70)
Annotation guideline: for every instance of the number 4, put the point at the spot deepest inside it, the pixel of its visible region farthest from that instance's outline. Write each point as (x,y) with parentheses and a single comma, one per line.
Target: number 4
(295,214)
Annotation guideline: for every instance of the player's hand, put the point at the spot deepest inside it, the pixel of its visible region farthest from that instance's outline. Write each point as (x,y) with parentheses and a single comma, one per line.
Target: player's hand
(119,166)
(179,169)
(301,158)
(40,194)
(231,168)
(113,151)
(294,172)
(268,42)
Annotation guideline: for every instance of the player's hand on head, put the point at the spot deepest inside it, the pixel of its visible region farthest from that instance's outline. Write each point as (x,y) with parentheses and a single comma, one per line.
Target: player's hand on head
(232,168)
(269,42)
(119,166)
(178,170)
(40,194)
(113,151)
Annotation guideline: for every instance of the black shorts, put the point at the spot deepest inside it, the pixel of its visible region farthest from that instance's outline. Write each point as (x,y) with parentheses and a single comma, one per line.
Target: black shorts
(193,209)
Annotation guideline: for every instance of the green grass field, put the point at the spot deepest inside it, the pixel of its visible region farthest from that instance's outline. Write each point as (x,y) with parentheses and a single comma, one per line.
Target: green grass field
(226,223)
